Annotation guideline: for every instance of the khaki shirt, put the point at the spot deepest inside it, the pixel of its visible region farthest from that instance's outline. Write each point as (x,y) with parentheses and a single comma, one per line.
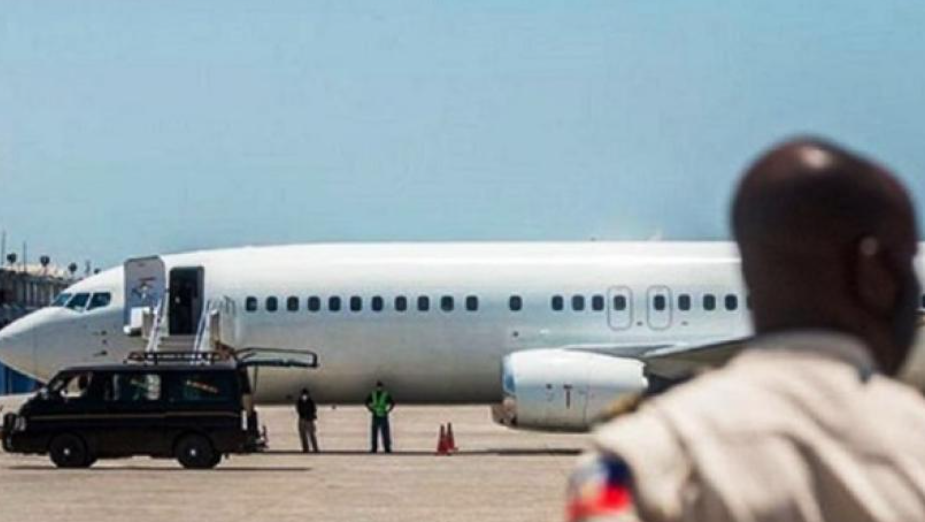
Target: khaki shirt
(797,428)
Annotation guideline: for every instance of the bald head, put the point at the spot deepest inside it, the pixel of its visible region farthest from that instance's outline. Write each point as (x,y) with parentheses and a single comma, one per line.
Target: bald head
(828,240)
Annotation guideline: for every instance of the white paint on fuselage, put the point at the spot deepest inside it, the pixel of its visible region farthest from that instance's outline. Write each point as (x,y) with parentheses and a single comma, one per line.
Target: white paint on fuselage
(424,357)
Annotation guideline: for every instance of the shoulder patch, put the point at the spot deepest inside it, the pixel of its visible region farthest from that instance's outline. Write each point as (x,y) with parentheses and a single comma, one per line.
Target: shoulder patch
(601,490)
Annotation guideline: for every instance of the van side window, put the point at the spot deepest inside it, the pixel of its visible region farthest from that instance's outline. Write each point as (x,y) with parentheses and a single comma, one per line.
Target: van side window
(447,303)
(272,304)
(377,303)
(732,302)
(314,303)
(516,303)
(334,304)
(133,387)
(423,303)
(597,303)
(250,304)
(292,304)
(356,304)
(201,387)
(578,303)
(472,303)
(401,303)
(557,303)
(100,300)
(709,302)
(684,302)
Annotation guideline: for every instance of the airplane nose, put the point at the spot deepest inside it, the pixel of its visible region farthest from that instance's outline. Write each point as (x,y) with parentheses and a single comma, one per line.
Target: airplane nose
(17,347)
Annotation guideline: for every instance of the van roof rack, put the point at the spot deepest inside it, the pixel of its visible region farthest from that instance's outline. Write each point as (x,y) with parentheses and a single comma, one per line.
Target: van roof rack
(156,358)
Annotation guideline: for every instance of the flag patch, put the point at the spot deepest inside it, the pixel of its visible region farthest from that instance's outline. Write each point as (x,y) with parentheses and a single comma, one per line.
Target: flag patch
(600,490)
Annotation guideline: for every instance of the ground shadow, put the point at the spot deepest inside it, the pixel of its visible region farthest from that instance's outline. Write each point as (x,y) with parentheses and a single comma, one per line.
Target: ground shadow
(220,469)
(504,452)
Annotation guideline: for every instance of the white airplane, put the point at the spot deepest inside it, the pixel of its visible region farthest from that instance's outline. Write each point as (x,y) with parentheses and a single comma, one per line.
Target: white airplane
(548,334)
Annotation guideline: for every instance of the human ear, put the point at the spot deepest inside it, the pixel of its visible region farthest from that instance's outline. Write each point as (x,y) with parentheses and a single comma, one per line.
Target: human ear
(875,282)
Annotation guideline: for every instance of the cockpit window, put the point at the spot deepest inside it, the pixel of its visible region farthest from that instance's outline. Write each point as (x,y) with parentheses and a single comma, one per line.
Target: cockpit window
(100,300)
(61,300)
(78,302)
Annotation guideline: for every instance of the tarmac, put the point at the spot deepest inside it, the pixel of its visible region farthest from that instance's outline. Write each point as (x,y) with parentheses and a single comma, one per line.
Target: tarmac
(498,474)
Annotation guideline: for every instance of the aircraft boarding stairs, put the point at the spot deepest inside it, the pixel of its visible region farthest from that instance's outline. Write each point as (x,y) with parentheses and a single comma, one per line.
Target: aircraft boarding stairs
(218,316)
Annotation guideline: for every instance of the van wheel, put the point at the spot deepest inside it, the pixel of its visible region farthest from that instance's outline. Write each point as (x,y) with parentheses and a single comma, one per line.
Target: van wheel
(195,452)
(69,451)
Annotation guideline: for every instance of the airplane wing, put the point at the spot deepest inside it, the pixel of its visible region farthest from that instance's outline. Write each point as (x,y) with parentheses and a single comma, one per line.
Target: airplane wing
(669,366)
(680,362)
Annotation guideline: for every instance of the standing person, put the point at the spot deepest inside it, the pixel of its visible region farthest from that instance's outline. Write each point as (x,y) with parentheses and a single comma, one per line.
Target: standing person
(807,424)
(308,414)
(380,404)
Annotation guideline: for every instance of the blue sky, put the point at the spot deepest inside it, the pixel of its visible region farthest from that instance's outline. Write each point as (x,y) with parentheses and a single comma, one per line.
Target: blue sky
(131,127)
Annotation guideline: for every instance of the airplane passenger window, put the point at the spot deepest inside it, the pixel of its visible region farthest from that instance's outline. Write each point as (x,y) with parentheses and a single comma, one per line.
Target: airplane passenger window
(684,302)
(250,304)
(516,303)
(557,303)
(659,303)
(356,304)
(272,304)
(334,304)
(78,302)
(292,304)
(709,302)
(732,302)
(377,303)
(100,300)
(578,303)
(401,303)
(447,304)
(314,303)
(619,303)
(597,303)
(423,303)
(472,303)
(61,300)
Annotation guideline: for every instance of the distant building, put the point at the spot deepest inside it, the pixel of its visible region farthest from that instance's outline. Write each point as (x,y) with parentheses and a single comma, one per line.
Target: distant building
(22,291)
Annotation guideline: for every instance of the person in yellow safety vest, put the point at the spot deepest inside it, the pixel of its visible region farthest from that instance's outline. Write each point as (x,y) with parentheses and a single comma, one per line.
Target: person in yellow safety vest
(380,404)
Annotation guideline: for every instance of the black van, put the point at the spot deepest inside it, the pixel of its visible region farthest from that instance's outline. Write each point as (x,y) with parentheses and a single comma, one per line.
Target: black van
(195,407)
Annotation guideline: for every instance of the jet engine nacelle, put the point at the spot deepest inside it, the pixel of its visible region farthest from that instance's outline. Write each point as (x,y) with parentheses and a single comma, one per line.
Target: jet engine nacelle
(563,390)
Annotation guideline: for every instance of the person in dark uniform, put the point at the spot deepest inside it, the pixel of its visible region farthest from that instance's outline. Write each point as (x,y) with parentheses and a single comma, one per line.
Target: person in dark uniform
(380,404)
(308,414)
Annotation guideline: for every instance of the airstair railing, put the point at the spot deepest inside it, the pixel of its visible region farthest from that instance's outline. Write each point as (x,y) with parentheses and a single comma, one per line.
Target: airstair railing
(203,330)
(154,338)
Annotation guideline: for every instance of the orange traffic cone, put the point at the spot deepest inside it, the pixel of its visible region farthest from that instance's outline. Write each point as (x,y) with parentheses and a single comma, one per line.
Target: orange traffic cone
(450,440)
(442,448)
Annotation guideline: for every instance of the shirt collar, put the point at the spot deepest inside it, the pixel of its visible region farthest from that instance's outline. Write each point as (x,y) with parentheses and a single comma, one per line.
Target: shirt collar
(828,343)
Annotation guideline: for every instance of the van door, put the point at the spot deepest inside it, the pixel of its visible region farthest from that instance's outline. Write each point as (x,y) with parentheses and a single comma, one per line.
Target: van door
(186,299)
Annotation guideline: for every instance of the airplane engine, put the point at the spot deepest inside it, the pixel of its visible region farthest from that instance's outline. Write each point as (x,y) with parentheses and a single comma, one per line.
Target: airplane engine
(563,390)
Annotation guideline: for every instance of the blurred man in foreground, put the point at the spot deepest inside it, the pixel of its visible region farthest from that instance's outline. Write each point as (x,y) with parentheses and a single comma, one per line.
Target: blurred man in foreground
(807,424)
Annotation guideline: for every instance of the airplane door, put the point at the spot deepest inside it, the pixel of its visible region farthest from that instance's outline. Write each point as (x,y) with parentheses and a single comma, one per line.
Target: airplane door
(659,307)
(144,288)
(620,309)
(186,288)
